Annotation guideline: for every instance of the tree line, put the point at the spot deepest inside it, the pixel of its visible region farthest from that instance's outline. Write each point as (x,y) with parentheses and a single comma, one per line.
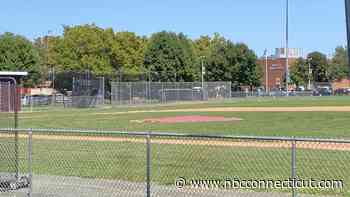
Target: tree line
(316,67)
(163,56)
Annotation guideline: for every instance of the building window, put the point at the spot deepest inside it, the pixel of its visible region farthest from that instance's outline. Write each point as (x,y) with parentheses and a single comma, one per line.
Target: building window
(275,66)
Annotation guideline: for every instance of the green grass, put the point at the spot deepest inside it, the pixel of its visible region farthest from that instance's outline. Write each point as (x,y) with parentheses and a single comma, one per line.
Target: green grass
(235,102)
(127,161)
(260,102)
(302,124)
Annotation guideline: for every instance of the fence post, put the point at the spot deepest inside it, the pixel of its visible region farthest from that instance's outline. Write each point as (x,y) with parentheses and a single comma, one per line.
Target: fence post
(294,168)
(15,109)
(30,162)
(162,96)
(148,164)
(130,93)
(103,90)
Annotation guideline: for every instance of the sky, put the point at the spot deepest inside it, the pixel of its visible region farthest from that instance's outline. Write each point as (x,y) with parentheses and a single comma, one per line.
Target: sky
(315,25)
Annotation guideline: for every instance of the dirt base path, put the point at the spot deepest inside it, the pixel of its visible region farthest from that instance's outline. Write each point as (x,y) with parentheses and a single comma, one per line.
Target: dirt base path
(242,109)
(198,142)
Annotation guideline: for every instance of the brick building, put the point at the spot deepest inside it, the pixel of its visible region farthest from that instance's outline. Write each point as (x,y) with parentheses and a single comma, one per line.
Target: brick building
(276,67)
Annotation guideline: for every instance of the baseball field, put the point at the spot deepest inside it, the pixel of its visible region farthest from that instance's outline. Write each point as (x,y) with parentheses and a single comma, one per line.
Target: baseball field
(302,117)
(119,161)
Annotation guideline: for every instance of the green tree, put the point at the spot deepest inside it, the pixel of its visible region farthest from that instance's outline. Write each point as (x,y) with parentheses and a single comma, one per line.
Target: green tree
(320,66)
(102,51)
(202,46)
(232,62)
(18,54)
(249,73)
(45,47)
(202,52)
(128,53)
(171,56)
(84,47)
(338,67)
(299,72)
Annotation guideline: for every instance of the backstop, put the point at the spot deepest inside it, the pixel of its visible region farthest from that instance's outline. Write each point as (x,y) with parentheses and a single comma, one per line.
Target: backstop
(167,92)
(87,91)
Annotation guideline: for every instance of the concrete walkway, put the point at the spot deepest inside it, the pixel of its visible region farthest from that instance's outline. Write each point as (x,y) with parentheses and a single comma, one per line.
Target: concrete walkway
(56,186)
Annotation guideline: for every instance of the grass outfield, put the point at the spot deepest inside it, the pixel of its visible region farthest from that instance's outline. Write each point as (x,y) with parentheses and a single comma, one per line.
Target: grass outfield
(316,124)
(301,124)
(235,102)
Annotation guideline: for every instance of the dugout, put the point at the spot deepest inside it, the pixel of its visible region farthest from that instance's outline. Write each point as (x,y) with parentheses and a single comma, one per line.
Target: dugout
(10,97)
(10,103)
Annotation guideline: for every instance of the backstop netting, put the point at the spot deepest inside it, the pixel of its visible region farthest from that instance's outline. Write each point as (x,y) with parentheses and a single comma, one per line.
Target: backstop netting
(168,92)
(88,91)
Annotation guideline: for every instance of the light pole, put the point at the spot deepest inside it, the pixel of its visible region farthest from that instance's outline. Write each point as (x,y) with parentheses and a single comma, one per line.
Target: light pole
(347,15)
(202,75)
(202,70)
(287,47)
(310,72)
(266,73)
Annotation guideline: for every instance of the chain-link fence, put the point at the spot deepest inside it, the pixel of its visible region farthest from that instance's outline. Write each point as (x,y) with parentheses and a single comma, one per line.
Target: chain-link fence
(83,163)
(12,157)
(15,162)
(69,89)
(277,93)
(88,91)
(167,92)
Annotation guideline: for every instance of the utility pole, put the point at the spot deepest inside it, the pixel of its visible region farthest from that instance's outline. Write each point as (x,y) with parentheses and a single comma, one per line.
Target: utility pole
(202,71)
(266,73)
(287,47)
(48,63)
(309,75)
(347,14)
(53,78)
(202,76)
(47,55)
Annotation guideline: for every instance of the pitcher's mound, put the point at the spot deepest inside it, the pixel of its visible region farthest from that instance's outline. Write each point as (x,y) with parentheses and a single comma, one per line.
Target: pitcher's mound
(187,119)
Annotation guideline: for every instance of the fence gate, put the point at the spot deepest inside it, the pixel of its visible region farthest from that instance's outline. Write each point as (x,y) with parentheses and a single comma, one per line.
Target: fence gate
(12,148)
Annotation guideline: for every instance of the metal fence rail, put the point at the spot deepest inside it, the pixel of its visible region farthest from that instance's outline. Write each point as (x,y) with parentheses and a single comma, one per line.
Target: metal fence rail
(67,162)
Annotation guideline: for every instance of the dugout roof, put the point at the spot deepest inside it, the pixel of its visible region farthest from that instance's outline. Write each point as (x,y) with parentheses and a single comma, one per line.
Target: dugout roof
(15,74)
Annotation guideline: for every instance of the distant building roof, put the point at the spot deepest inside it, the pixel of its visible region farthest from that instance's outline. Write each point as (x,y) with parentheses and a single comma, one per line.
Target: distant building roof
(280,53)
(292,53)
(11,73)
